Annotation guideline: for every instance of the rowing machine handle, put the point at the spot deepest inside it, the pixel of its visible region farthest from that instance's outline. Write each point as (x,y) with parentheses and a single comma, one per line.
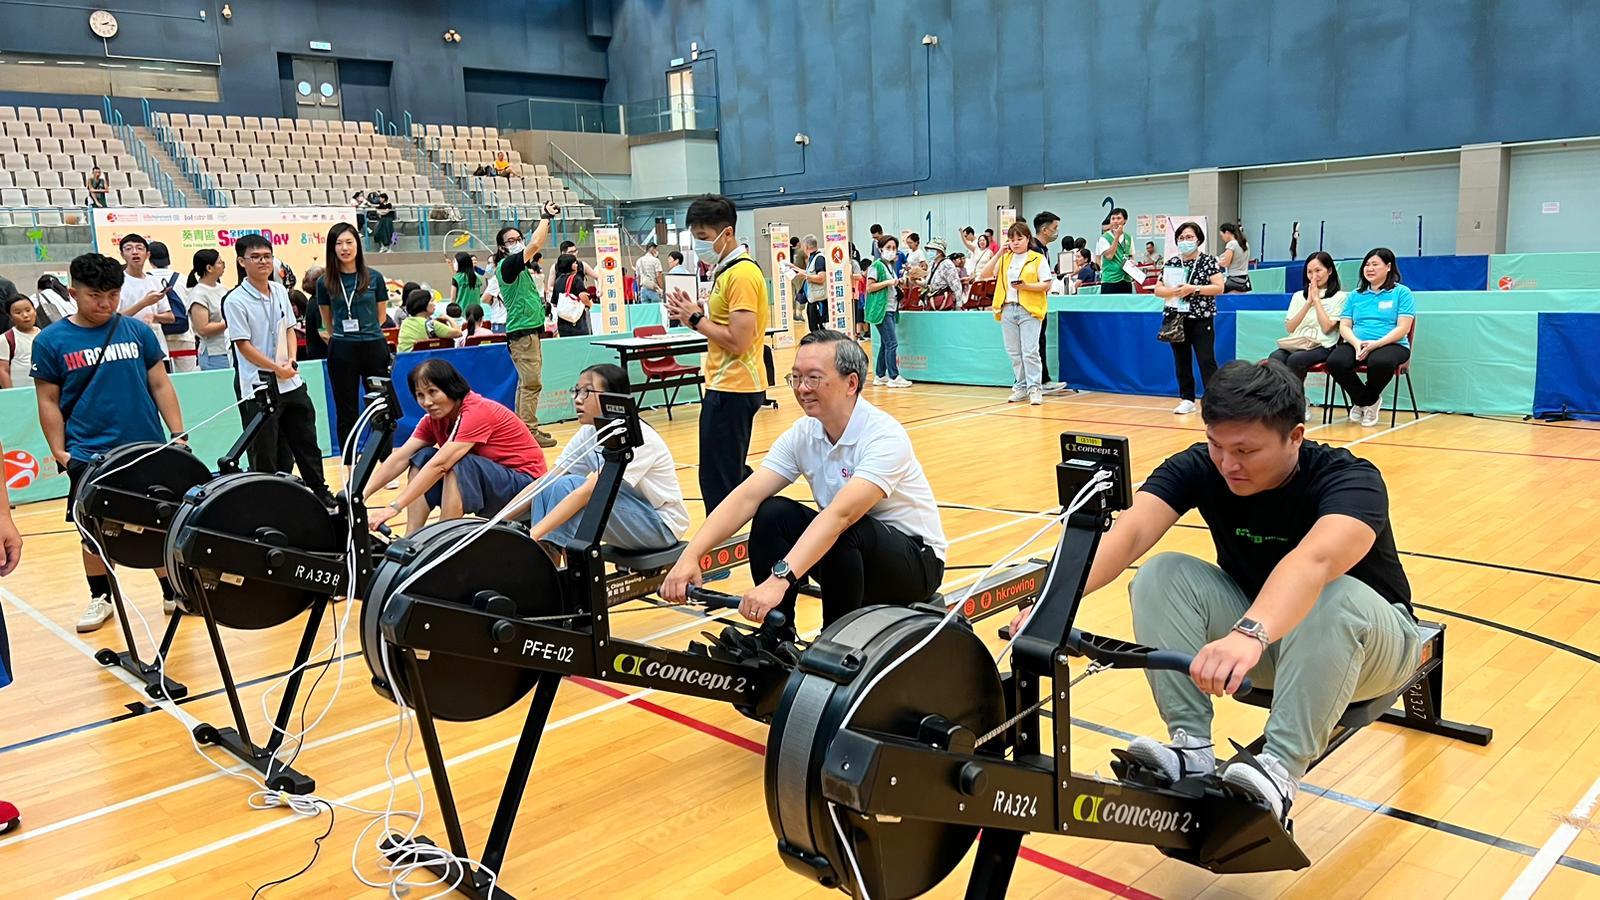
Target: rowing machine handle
(1174,661)
(719,600)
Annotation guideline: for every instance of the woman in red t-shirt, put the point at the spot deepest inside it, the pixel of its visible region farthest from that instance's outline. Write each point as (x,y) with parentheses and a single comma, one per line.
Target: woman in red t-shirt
(468,456)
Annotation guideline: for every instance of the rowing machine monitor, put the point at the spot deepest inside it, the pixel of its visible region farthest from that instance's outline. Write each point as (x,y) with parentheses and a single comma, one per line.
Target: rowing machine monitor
(888,755)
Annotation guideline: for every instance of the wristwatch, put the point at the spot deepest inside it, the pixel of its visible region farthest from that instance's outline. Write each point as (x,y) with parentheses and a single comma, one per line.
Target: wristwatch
(694,320)
(1254,629)
(391,505)
(781,569)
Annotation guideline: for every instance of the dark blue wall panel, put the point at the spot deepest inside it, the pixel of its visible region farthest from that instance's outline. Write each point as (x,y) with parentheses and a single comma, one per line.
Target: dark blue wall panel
(536,37)
(1107,88)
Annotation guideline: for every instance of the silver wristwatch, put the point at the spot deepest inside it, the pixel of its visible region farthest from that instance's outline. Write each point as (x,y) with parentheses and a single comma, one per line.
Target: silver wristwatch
(1254,629)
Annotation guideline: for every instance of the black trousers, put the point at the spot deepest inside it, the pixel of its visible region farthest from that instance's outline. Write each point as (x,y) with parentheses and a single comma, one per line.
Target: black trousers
(1044,350)
(816,315)
(288,439)
(348,363)
(1199,343)
(1116,287)
(1381,365)
(871,563)
(1299,361)
(725,422)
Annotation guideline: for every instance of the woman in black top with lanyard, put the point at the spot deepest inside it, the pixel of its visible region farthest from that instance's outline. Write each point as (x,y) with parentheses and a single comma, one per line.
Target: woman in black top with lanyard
(351,298)
(1194,300)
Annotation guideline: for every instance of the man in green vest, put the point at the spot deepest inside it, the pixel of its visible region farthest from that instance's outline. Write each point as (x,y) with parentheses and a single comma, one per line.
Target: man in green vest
(1114,249)
(513,268)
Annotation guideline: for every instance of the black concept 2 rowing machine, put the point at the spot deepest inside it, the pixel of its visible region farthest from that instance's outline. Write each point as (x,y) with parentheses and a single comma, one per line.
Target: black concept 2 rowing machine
(898,741)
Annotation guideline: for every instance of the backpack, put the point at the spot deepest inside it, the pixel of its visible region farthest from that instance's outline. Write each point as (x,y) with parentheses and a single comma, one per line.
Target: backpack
(180,314)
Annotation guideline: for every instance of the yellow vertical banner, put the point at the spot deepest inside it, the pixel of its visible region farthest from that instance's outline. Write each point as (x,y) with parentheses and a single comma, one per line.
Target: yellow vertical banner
(782,301)
(608,250)
(836,250)
(1008,217)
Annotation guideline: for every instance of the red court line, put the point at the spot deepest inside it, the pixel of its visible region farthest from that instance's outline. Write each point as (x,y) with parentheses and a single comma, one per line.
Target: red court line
(1094,879)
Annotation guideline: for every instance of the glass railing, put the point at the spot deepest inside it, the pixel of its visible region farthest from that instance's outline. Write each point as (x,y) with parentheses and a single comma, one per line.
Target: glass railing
(536,114)
(685,112)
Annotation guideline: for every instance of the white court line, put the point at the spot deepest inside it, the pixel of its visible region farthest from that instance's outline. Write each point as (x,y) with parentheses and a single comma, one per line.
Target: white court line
(40,831)
(1379,434)
(1539,868)
(77,644)
(291,819)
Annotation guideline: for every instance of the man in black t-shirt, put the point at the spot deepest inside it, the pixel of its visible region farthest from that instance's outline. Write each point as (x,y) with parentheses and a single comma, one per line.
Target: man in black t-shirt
(1307,597)
(1045,227)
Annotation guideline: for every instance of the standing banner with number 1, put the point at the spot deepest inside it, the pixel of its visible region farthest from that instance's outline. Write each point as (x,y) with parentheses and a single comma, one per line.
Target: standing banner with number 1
(608,249)
(836,249)
(782,303)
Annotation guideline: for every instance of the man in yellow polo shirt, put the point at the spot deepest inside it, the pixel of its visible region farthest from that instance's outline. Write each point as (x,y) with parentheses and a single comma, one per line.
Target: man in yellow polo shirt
(734,324)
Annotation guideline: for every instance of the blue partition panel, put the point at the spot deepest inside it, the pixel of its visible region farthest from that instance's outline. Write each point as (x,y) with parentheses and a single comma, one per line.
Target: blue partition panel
(1422,273)
(1568,367)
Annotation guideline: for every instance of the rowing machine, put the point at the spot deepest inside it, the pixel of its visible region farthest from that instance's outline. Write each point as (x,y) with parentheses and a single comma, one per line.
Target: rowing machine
(461,629)
(128,499)
(255,550)
(884,764)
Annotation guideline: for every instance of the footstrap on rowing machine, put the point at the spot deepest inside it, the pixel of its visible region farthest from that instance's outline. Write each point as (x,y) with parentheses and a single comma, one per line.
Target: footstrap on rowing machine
(1243,755)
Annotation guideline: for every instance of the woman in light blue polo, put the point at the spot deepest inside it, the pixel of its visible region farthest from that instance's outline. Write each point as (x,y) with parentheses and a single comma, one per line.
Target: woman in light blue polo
(1375,328)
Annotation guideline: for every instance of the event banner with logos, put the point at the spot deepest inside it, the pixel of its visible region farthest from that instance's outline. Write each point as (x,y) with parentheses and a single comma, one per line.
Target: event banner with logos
(299,236)
(836,248)
(608,250)
(782,299)
(1007,216)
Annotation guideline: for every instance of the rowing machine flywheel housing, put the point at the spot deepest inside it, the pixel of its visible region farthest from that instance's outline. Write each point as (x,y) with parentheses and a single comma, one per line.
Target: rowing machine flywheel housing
(503,571)
(953,677)
(131,532)
(271,511)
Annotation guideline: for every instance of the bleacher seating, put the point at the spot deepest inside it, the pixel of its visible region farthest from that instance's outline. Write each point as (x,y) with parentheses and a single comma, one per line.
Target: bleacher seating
(298,162)
(45,157)
(459,150)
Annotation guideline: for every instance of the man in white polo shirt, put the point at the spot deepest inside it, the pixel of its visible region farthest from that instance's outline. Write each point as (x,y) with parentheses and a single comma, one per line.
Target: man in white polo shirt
(260,329)
(877,537)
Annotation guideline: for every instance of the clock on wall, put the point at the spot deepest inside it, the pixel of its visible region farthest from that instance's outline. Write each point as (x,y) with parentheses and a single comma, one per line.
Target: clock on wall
(103,23)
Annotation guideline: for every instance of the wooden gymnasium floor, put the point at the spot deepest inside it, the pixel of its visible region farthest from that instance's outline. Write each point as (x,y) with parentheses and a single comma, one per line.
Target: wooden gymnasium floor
(661,796)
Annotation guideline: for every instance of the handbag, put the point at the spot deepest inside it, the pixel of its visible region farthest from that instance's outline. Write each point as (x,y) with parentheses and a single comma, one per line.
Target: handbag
(1237,284)
(569,308)
(1171,327)
(1297,342)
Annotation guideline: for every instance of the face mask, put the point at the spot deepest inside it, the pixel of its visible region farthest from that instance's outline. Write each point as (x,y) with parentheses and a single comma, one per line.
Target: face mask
(707,252)
(887,253)
(515,247)
(1187,247)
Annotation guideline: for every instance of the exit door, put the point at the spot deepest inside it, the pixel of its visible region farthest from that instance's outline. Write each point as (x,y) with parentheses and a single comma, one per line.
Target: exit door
(316,88)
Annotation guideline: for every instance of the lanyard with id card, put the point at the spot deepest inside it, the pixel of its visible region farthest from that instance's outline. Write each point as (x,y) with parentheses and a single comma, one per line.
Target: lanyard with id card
(350,324)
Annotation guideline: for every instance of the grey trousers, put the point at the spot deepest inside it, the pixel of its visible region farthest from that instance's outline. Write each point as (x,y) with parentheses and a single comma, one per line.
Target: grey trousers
(1353,645)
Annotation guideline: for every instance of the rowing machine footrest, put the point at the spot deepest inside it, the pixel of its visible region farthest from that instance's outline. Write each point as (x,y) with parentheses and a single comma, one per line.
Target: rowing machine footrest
(835,662)
(642,561)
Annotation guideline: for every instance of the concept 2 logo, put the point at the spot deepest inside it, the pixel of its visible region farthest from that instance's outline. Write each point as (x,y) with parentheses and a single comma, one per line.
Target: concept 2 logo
(1097,810)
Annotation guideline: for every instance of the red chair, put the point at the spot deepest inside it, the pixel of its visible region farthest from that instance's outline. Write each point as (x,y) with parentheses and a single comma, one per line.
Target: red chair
(913,299)
(1404,371)
(433,344)
(392,335)
(475,340)
(981,296)
(661,366)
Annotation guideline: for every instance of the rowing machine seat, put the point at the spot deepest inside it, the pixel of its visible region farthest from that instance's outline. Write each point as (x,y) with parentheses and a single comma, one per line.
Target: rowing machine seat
(642,560)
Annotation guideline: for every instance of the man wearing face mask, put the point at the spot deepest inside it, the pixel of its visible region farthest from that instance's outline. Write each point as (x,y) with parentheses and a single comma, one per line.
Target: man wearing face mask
(733,324)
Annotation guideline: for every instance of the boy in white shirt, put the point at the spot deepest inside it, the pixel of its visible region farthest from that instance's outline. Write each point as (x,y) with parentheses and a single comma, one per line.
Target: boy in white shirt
(648,514)
(143,297)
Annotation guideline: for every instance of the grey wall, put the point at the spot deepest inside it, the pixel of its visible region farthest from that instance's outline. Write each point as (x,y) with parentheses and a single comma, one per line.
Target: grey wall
(1106,88)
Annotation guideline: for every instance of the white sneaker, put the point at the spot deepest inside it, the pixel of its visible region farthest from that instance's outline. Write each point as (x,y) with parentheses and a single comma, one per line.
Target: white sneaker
(1311,410)
(1035,398)
(899,381)
(1017,395)
(1184,408)
(1369,415)
(1356,412)
(168,607)
(95,614)
(879,381)
(1274,788)
(1053,387)
(1183,758)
